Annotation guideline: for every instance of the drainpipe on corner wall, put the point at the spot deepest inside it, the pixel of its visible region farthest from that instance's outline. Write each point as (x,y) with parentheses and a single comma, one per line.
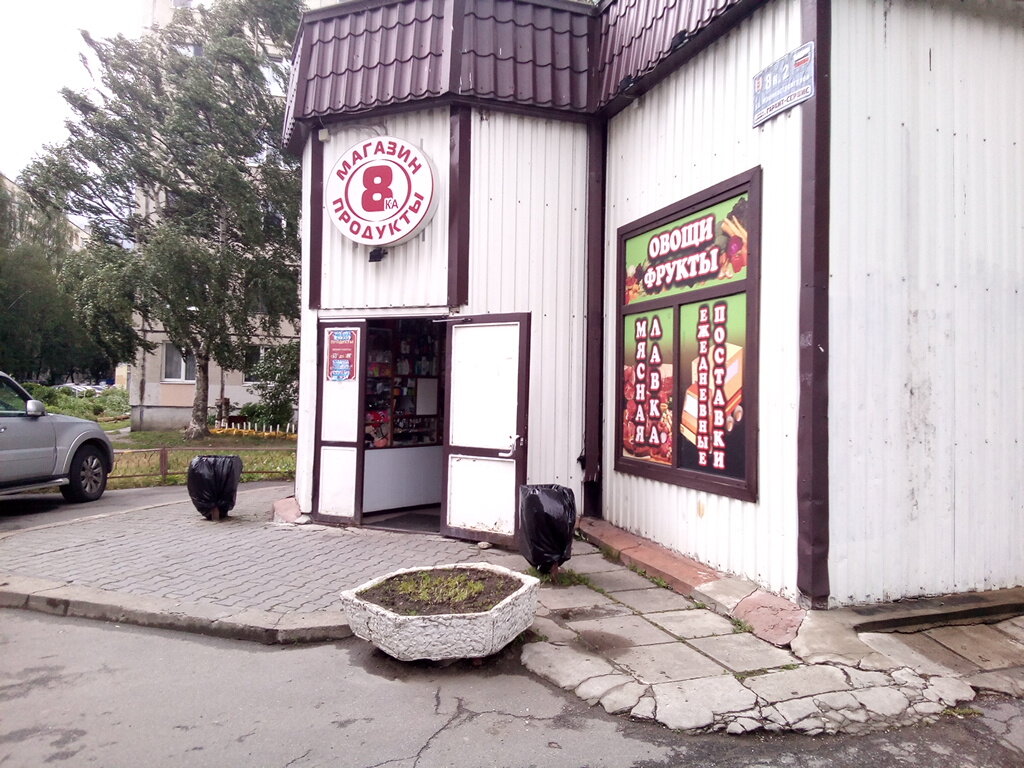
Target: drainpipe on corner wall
(593,384)
(812,425)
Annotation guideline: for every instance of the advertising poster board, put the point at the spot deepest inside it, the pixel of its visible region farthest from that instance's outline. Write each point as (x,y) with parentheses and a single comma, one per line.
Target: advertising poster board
(341,354)
(687,351)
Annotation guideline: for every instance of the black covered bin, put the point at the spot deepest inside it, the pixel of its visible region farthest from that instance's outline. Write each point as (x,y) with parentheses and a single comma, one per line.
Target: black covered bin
(547,522)
(213,484)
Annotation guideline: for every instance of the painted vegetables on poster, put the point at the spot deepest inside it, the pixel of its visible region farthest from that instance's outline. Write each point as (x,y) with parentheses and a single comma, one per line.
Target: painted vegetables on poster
(647,421)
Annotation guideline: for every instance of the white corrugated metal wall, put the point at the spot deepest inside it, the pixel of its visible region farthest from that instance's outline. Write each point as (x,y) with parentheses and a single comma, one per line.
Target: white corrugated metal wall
(307,355)
(527,254)
(690,132)
(927,277)
(415,273)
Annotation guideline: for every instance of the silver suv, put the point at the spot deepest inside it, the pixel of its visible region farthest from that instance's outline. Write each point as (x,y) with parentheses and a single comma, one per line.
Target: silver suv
(38,449)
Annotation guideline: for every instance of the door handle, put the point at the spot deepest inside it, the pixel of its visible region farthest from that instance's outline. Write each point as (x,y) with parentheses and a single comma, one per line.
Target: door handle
(512,449)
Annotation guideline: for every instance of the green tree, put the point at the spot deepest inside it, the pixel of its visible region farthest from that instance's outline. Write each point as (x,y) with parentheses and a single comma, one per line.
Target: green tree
(276,383)
(39,335)
(175,161)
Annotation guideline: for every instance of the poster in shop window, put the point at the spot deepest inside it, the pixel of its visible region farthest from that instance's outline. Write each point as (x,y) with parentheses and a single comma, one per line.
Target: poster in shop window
(712,346)
(647,421)
(341,354)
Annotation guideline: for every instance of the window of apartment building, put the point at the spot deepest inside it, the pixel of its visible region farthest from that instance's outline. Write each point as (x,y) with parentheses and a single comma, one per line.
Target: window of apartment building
(178,367)
(253,355)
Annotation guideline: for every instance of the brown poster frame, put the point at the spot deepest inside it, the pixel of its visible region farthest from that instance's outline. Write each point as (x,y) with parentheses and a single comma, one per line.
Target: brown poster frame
(745,487)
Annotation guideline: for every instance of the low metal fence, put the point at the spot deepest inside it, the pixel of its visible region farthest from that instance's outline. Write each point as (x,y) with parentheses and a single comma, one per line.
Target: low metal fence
(169,466)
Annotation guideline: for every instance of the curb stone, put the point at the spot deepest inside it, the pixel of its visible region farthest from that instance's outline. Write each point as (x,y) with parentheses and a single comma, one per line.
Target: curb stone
(65,599)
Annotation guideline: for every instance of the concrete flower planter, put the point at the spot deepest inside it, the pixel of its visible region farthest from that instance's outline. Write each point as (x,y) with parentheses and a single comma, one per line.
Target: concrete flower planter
(447,635)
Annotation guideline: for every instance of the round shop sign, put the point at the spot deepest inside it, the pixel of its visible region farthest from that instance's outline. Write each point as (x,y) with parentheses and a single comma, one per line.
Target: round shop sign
(381,191)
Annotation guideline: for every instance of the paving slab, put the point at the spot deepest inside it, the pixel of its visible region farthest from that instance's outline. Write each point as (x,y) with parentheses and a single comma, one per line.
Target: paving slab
(721,693)
(552,631)
(563,665)
(694,704)
(587,564)
(696,622)
(824,638)
(666,663)
(576,596)
(743,652)
(616,632)
(653,600)
(773,618)
(624,698)
(595,689)
(1013,627)
(775,687)
(886,702)
(919,652)
(724,595)
(620,581)
(1007,681)
(981,644)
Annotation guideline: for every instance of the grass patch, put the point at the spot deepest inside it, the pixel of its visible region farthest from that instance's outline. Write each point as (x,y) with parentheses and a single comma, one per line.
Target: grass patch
(176,439)
(961,712)
(655,580)
(609,554)
(138,457)
(739,625)
(113,426)
(700,605)
(566,578)
(440,587)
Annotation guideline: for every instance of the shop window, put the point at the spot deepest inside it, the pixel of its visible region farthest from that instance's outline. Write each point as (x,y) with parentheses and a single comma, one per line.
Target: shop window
(178,367)
(687,341)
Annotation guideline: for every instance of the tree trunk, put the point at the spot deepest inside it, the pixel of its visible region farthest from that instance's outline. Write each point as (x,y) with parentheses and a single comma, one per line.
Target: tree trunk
(198,427)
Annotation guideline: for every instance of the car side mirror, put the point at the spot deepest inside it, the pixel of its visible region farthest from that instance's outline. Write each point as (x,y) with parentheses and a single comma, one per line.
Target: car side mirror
(35,408)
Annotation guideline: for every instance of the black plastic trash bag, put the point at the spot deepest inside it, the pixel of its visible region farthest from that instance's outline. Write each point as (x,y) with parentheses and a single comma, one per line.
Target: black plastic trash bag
(213,483)
(547,521)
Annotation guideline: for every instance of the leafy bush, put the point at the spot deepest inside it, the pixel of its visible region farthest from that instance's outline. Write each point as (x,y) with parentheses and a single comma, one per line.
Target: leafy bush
(92,405)
(48,395)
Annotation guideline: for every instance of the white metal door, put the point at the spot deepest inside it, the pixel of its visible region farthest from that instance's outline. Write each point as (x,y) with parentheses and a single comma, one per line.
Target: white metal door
(339,445)
(485,435)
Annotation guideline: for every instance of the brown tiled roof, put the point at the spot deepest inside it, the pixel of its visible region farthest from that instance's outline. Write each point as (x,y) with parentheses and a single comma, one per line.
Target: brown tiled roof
(561,55)
(525,53)
(636,35)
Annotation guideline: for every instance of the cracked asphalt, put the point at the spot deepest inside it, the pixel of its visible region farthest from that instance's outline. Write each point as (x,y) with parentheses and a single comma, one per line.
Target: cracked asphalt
(78,693)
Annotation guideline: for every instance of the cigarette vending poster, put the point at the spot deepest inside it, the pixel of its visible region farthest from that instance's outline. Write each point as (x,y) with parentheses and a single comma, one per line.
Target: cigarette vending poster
(702,250)
(711,427)
(341,354)
(647,418)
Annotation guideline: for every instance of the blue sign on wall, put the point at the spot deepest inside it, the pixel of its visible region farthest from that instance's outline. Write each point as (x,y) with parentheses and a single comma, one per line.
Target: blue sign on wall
(784,83)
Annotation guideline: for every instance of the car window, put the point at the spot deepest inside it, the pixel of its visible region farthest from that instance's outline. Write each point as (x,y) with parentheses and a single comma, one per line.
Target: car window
(11,401)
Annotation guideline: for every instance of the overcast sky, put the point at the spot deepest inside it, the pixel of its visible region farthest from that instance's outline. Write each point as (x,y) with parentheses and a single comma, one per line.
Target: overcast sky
(39,48)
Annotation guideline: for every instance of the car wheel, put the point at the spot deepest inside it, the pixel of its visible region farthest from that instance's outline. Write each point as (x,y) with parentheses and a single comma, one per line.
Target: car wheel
(88,475)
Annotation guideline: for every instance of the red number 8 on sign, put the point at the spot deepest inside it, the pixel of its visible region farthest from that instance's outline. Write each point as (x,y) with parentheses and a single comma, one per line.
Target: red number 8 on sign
(377,187)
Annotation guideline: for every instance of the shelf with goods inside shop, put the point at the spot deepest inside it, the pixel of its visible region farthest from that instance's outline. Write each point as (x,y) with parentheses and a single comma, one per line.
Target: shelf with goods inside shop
(402,385)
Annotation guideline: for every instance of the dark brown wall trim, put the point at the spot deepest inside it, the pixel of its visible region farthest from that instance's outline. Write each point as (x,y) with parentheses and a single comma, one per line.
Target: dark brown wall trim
(458,206)
(812,431)
(593,400)
(316,222)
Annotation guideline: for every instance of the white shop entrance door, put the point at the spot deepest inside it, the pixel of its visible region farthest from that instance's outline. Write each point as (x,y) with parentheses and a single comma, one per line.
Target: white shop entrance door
(485,436)
(339,445)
